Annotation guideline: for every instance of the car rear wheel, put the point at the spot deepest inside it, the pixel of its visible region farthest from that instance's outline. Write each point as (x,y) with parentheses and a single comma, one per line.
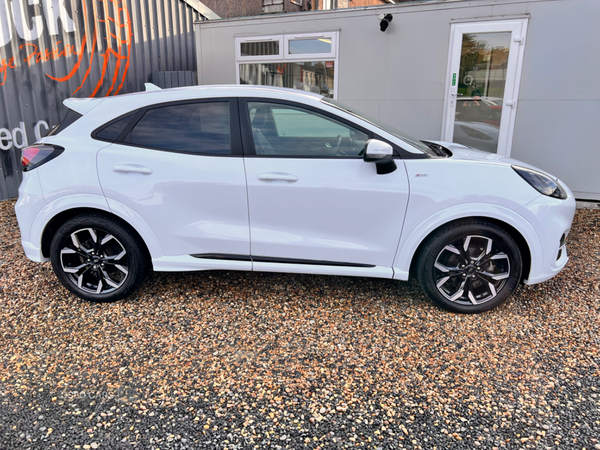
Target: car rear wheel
(97,258)
(470,266)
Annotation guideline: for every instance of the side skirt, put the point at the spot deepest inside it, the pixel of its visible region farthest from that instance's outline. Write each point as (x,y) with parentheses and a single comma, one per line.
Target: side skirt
(266,259)
(307,266)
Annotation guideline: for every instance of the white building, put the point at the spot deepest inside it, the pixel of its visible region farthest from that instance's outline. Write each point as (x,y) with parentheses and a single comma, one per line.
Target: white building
(516,77)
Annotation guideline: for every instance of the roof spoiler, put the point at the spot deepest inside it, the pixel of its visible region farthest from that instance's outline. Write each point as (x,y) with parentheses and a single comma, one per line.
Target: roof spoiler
(82,105)
(152,87)
(85,105)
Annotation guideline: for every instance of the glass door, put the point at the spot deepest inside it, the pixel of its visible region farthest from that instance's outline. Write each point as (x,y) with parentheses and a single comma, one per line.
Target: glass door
(483,84)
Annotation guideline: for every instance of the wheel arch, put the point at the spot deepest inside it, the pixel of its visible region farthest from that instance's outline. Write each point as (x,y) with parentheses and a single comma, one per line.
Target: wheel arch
(54,224)
(512,231)
(415,235)
(62,209)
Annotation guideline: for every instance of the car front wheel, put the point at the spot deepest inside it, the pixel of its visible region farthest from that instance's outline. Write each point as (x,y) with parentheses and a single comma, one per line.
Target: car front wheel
(470,266)
(97,258)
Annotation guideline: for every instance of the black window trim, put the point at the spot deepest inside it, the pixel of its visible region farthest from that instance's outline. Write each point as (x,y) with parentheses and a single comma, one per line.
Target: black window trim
(235,135)
(401,153)
(100,129)
(68,119)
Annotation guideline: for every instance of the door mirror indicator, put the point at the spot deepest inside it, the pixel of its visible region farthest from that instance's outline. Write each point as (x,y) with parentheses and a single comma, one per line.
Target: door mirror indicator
(382,154)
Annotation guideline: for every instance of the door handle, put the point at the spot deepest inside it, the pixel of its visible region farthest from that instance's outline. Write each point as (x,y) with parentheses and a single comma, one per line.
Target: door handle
(127,168)
(277,176)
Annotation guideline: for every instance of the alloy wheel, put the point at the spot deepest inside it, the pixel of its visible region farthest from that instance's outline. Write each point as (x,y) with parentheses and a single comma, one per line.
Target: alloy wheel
(471,270)
(94,260)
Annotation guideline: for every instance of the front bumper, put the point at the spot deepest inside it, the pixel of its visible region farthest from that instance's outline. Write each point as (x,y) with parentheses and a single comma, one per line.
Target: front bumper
(551,218)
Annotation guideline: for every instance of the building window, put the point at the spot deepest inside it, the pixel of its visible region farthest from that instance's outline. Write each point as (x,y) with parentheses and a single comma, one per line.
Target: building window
(307,62)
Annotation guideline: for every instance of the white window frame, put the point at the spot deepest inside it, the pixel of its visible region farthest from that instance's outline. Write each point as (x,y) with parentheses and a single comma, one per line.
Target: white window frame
(284,55)
(310,36)
(259,58)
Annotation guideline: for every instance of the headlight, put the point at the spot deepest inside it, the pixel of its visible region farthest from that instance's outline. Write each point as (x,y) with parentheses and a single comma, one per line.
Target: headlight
(542,182)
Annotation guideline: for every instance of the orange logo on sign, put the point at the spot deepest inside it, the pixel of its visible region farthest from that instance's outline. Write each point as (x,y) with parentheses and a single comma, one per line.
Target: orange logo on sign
(114,23)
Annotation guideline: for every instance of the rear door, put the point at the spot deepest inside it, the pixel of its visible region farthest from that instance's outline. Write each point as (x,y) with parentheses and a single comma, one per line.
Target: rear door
(179,167)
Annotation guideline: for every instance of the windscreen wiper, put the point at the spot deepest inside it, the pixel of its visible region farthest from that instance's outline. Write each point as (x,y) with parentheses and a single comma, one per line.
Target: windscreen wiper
(438,149)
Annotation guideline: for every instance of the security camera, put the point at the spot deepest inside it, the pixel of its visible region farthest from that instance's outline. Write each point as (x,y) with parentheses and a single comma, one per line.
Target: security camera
(385,21)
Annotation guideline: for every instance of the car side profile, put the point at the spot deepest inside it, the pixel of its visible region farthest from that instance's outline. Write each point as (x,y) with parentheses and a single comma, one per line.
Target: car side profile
(277,180)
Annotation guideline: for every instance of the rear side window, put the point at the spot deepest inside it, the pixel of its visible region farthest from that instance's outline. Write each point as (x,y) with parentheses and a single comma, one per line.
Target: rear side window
(68,120)
(190,128)
(113,130)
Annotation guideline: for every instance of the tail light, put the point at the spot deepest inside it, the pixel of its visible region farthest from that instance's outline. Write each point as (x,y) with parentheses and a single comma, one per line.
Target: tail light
(36,155)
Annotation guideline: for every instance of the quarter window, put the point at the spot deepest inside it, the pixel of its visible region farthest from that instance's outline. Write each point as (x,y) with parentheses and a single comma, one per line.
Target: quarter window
(283,130)
(114,130)
(191,127)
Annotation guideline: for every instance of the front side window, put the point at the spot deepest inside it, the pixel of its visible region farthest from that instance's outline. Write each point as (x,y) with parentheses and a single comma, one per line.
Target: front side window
(284,130)
(191,128)
(378,123)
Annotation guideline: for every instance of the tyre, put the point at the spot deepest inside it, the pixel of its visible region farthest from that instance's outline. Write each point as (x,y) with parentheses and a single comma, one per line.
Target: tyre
(97,258)
(469,266)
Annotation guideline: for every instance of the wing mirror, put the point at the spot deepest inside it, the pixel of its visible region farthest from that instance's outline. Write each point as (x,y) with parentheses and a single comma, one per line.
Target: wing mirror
(382,154)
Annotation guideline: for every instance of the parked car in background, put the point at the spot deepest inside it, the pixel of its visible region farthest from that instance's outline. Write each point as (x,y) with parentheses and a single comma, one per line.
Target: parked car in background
(278,180)
(479,109)
(479,135)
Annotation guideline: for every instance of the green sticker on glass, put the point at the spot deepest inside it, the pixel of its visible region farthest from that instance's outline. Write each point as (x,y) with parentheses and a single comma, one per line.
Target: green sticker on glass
(453,79)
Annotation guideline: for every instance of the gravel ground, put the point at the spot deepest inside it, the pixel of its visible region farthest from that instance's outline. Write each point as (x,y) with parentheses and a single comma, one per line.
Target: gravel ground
(245,360)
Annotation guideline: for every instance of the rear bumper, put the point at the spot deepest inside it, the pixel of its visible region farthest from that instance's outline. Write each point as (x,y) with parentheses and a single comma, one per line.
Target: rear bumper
(31,201)
(34,212)
(32,252)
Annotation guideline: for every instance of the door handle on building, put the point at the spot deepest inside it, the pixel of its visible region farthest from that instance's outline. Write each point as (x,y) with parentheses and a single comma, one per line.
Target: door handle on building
(453,94)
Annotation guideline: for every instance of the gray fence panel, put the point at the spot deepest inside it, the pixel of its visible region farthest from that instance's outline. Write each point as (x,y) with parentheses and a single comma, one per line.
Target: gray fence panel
(167,80)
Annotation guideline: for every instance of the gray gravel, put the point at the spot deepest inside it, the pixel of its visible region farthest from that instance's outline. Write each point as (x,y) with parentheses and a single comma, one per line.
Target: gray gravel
(221,360)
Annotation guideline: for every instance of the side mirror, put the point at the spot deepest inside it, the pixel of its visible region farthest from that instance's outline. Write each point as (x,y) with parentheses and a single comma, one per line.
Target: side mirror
(382,154)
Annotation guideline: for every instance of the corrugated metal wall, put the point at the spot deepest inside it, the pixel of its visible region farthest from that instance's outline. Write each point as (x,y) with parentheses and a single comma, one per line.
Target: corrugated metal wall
(55,49)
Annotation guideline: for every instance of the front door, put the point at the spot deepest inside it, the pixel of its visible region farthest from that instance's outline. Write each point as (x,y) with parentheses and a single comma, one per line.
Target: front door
(483,84)
(315,205)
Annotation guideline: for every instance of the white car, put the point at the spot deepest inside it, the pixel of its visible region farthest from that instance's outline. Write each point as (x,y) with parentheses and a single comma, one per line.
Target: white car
(479,135)
(279,180)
